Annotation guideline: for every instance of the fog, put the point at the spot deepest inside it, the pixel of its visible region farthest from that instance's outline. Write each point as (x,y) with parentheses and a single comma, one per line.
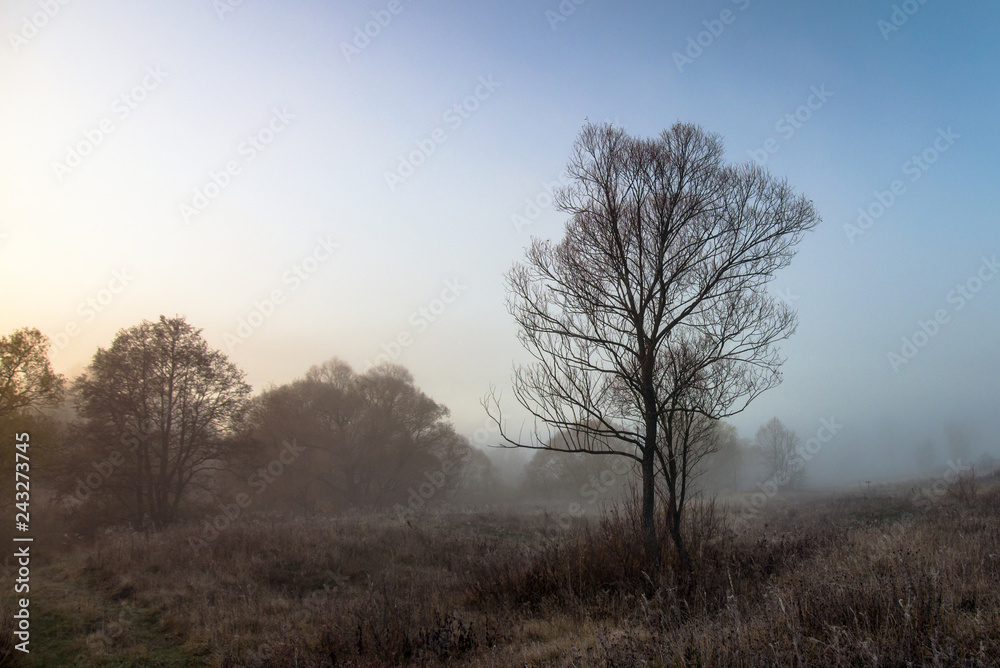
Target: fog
(305,182)
(555,332)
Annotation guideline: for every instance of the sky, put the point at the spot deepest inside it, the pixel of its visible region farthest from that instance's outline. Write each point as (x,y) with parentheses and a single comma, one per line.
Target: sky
(305,180)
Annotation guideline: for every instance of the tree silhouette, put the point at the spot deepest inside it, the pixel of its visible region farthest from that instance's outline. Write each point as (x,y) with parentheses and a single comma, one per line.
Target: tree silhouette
(167,404)
(26,376)
(652,309)
(777,446)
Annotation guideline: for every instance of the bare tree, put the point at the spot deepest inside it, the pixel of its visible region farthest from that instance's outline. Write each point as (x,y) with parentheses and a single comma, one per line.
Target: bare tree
(165,404)
(777,445)
(697,389)
(653,305)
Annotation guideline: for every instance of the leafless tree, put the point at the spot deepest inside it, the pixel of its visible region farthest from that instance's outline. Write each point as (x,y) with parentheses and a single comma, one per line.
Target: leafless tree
(686,432)
(164,404)
(777,445)
(652,308)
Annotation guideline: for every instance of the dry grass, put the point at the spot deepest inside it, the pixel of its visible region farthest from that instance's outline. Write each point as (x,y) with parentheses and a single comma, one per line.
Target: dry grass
(841,582)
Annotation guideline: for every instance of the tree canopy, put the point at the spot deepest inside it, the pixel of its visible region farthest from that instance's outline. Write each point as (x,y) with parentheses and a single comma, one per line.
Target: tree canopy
(373,439)
(165,403)
(26,376)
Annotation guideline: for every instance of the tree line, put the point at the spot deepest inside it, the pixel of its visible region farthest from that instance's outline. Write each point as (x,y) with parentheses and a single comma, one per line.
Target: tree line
(160,426)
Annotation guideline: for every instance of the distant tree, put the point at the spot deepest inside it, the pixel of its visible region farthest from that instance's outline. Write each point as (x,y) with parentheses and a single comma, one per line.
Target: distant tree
(165,405)
(373,439)
(926,455)
(777,445)
(27,380)
(959,443)
(559,472)
(550,474)
(652,310)
(722,470)
(407,437)
(477,480)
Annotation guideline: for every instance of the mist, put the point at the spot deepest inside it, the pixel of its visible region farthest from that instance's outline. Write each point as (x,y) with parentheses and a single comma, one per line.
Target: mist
(480,301)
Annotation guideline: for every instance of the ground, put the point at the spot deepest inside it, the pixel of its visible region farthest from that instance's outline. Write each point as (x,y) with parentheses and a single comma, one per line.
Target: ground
(862,578)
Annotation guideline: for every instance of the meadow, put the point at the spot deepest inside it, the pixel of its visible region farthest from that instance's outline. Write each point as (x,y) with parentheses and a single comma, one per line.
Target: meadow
(891,577)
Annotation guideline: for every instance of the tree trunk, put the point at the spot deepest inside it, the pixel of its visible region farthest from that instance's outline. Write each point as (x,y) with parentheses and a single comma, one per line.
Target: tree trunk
(674,523)
(652,545)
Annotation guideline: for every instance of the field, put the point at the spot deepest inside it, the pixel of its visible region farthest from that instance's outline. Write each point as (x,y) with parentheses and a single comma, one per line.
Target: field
(889,578)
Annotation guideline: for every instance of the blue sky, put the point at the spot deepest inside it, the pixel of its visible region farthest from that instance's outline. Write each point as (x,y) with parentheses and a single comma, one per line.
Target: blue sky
(288,137)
